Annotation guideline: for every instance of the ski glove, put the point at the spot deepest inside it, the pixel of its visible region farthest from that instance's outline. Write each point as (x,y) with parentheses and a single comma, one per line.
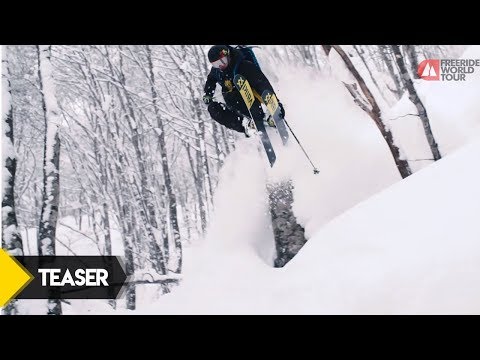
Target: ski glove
(207,99)
(282,110)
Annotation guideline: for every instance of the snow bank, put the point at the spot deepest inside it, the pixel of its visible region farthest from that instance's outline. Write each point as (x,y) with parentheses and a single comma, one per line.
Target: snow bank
(420,256)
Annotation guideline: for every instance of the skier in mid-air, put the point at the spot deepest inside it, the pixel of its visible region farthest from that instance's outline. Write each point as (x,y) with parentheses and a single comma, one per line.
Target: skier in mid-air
(227,62)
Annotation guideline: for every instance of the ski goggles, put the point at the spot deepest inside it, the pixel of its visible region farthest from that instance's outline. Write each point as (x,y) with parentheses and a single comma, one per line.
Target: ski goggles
(221,63)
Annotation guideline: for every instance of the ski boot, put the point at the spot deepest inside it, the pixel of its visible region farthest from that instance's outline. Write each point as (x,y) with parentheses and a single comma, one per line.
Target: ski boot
(270,122)
(250,128)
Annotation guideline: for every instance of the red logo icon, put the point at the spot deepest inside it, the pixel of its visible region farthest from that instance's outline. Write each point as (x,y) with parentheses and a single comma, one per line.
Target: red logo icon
(429,69)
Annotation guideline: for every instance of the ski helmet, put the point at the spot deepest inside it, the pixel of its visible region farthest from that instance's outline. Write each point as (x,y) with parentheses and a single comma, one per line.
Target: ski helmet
(218,55)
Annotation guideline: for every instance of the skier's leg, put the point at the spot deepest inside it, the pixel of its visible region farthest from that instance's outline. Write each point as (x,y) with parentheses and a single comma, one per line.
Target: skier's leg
(228,118)
(235,102)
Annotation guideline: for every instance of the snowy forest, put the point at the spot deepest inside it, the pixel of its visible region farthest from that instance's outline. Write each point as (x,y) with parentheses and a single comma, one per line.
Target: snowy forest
(110,150)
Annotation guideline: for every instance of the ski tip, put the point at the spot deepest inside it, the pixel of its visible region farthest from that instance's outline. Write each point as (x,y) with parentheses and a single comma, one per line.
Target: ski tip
(272,160)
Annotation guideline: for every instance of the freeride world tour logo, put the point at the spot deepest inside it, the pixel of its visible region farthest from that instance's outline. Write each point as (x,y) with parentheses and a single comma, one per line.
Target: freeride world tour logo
(447,69)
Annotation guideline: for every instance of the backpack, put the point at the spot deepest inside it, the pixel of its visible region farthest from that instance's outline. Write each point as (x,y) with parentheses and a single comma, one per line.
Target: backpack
(247,54)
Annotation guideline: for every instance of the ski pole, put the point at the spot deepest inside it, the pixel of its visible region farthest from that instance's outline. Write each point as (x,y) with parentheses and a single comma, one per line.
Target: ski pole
(315,170)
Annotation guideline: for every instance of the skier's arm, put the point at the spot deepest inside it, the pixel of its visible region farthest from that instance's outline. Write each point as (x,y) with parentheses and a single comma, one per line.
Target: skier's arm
(209,88)
(210,85)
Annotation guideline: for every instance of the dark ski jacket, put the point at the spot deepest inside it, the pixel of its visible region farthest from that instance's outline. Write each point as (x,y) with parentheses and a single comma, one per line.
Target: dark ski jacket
(258,81)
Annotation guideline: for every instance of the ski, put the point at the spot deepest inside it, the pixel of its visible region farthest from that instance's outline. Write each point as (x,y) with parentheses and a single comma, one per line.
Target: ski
(271,101)
(247,94)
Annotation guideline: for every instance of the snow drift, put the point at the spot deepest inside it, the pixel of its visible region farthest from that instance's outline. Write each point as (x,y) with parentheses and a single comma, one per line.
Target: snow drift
(412,248)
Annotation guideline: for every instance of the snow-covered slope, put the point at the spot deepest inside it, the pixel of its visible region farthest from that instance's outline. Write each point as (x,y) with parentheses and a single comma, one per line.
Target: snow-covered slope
(412,248)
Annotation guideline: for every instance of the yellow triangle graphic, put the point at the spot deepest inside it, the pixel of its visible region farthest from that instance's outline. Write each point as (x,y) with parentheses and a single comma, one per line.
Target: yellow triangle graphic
(13,277)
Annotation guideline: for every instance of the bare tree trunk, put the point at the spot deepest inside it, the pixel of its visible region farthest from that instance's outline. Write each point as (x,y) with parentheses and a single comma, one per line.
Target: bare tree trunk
(37,196)
(102,161)
(142,192)
(172,200)
(199,188)
(415,99)
(51,164)
(119,188)
(388,62)
(218,146)
(108,241)
(360,53)
(307,55)
(373,110)
(412,58)
(11,239)
(203,179)
(106,226)
(123,219)
(146,193)
(131,293)
(226,139)
(204,161)
(183,199)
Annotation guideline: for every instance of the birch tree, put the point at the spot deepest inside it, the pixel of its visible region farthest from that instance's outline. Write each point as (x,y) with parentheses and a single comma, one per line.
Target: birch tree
(368,104)
(415,99)
(51,162)
(171,197)
(412,58)
(387,59)
(11,239)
